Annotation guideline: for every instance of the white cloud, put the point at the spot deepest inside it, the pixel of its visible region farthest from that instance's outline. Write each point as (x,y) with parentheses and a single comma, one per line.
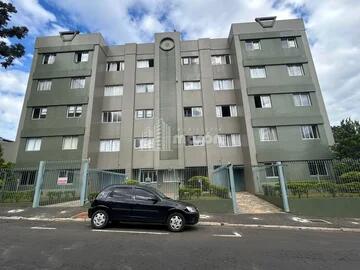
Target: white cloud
(13,81)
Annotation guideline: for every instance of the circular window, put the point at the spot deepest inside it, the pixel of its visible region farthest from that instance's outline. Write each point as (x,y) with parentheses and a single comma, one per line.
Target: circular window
(167,44)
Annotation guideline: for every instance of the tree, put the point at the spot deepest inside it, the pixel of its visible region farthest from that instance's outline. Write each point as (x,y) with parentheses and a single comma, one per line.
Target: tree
(3,163)
(347,139)
(8,52)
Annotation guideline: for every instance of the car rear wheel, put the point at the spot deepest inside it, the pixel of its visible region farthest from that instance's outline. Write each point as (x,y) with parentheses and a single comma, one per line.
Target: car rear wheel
(99,219)
(176,222)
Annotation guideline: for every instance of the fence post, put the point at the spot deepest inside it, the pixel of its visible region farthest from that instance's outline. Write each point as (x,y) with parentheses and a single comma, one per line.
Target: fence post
(283,187)
(84,171)
(232,186)
(39,181)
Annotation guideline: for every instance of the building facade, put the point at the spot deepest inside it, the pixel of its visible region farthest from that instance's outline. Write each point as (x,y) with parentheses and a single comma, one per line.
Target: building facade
(247,99)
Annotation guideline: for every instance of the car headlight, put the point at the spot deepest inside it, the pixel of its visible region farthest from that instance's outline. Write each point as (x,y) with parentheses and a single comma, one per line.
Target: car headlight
(191,209)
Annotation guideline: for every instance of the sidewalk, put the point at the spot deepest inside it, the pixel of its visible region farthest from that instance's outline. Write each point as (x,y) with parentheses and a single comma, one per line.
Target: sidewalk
(276,219)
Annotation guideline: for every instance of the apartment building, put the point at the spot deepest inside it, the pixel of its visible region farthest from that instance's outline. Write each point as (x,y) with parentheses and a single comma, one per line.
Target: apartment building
(250,98)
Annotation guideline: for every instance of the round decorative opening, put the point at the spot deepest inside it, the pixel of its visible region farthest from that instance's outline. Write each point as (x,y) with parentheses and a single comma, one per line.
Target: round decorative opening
(167,44)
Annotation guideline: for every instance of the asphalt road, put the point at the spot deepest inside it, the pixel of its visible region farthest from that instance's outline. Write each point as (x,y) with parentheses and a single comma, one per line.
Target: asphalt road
(74,245)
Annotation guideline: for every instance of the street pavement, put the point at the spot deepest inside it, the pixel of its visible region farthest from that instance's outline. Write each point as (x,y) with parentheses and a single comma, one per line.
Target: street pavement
(74,245)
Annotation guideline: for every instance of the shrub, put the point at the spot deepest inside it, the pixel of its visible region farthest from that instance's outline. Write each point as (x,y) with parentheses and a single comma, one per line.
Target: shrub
(201,182)
(345,166)
(327,186)
(350,177)
(131,182)
(92,196)
(221,192)
(350,188)
(300,188)
(271,190)
(189,193)
(17,196)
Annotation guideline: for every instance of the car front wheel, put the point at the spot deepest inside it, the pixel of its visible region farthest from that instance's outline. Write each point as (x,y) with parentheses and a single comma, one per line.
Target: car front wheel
(176,222)
(99,219)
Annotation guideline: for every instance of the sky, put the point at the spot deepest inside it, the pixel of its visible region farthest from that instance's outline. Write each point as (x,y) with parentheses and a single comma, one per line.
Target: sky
(332,27)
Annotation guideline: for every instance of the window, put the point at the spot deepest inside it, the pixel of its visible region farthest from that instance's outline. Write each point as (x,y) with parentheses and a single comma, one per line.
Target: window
(112,145)
(48,59)
(191,60)
(271,170)
(81,57)
(193,112)
(268,134)
(194,140)
(295,70)
(287,43)
(262,101)
(144,143)
(229,140)
(141,114)
(33,144)
(111,117)
(145,63)
(302,100)
(317,168)
(122,193)
(70,143)
(69,174)
(44,85)
(39,113)
(115,66)
(192,85)
(143,195)
(113,90)
(74,111)
(148,176)
(28,178)
(226,111)
(77,83)
(220,59)
(257,72)
(252,45)
(309,132)
(145,88)
(220,85)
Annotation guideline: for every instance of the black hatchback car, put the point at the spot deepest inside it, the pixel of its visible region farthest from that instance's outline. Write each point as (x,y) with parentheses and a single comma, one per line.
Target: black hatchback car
(140,204)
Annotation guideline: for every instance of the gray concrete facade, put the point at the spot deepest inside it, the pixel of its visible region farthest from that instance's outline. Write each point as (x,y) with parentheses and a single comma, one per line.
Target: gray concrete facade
(168,74)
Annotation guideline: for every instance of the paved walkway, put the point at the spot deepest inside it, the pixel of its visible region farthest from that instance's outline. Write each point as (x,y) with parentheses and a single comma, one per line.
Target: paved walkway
(251,204)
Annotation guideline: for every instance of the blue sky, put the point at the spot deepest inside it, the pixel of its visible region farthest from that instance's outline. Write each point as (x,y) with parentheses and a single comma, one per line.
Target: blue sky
(332,28)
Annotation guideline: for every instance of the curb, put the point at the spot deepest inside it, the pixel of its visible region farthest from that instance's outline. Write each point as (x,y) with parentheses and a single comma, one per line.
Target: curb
(201,223)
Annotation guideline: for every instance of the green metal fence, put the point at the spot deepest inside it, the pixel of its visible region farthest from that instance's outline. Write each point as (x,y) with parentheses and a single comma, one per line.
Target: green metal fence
(17,185)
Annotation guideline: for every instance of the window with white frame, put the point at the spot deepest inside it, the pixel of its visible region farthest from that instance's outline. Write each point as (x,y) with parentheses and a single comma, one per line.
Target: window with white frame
(111,116)
(257,72)
(69,174)
(220,85)
(229,140)
(145,63)
(226,111)
(194,140)
(190,60)
(143,143)
(287,43)
(48,59)
(70,143)
(262,101)
(295,70)
(268,134)
(115,66)
(44,85)
(33,144)
(193,112)
(81,57)
(192,85)
(302,100)
(77,83)
(271,170)
(318,168)
(110,145)
(220,59)
(309,132)
(142,114)
(113,90)
(252,45)
(145,88)
(39,113)
(74,111)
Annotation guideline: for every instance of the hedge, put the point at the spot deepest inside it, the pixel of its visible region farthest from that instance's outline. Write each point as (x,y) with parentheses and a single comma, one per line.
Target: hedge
(189,193)
(201,182)
(17,196)
(350,177)
(58,195)
(131,182)
(92,196)
(221,192)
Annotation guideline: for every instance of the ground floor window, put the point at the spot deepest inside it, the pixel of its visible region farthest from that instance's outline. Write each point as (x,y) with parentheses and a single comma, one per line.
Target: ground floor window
(317,168)
(271,171)
(28,178)
(69,174)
